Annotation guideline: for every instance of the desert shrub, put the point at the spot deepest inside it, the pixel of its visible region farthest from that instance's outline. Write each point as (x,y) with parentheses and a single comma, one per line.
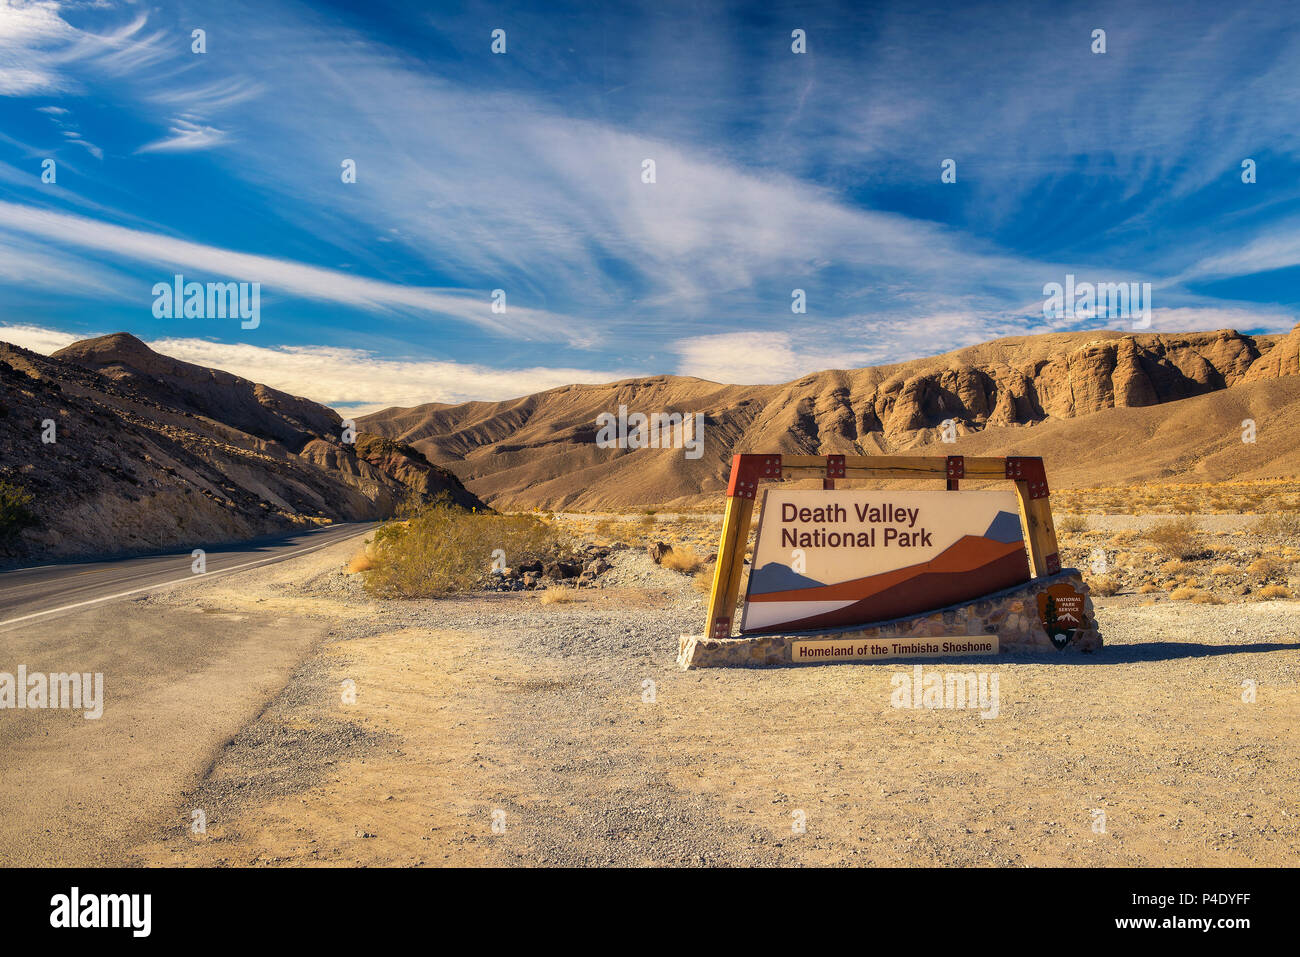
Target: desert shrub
(444,550)
(1104,585)
(14,512)
(1223,570)
(1266,568)
(558,594)
(1183,594)
(1274,591)
(684,559)
(1176,538)
(1149,588)
(363,560)
(1074,524)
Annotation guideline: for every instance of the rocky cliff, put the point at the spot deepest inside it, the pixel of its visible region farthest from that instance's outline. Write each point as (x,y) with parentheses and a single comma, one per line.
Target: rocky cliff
(148,452)
(539,450)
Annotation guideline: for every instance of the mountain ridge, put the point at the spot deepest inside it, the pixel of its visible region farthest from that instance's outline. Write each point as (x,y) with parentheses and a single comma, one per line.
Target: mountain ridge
(538,451)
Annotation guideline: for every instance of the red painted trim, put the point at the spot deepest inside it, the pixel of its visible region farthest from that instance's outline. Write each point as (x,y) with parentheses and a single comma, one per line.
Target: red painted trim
(748,470)
(1029,469)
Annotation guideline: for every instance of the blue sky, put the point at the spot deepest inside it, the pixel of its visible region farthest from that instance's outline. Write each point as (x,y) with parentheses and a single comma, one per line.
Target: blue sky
(523,172)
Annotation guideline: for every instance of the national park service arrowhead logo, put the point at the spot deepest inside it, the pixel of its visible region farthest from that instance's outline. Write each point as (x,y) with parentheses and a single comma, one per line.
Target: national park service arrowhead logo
(1061,609)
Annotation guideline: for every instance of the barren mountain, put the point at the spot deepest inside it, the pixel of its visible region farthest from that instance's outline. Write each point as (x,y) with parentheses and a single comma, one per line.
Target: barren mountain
(149,452)
(1102,407)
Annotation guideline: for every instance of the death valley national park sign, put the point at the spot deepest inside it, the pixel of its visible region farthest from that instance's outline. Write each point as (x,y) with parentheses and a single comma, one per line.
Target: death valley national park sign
(835,558)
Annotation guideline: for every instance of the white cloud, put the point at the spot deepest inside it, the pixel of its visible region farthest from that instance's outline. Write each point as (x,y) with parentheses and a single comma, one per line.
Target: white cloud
(1279,248)
(350,379)
(185,135)
(757,358)
(280,275)
(40,51)
(36,338)
(28,32)
(363,382)
(1210,318)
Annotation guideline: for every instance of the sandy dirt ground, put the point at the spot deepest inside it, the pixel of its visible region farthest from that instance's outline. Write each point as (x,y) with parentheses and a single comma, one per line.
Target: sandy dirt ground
(496,730)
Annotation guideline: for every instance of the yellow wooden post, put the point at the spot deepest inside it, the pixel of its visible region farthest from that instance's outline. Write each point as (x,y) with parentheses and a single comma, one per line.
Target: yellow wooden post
(1035,514)
(730,567)
(746,472)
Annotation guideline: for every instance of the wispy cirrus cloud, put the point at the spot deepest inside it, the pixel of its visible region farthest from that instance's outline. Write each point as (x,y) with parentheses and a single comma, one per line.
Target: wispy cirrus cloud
(773,172)
(42,53)
(298,279)
(184,135)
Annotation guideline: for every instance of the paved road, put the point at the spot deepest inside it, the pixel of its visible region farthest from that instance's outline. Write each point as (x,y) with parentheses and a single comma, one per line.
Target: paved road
(29,595)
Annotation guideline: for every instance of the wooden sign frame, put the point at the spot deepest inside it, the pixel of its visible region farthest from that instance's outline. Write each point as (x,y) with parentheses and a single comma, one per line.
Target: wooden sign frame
(747,470)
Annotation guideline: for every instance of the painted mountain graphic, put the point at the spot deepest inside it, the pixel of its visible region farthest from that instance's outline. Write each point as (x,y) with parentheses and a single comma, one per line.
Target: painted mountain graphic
(1005,527)
(777,577)
(973,566)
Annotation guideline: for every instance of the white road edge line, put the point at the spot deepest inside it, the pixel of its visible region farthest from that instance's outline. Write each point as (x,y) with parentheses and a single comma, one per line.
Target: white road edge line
(178,581)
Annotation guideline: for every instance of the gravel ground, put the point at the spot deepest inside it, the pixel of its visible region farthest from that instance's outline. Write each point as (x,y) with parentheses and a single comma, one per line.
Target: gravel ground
(570,728)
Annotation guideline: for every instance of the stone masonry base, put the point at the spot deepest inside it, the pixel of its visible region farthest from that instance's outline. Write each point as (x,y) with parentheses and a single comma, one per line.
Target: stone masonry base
(1012,615)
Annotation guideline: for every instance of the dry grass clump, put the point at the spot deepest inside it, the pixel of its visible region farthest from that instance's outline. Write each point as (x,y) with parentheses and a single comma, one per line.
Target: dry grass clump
(444,550)
(703,581)
(363,560)
(1195,595)
(1104,585)
(1073,524)
(1148,589)
(1176,538)
(1266,568)
(1176,569)
(1223,570)
(1274,591)
(558,594)
(684,559)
